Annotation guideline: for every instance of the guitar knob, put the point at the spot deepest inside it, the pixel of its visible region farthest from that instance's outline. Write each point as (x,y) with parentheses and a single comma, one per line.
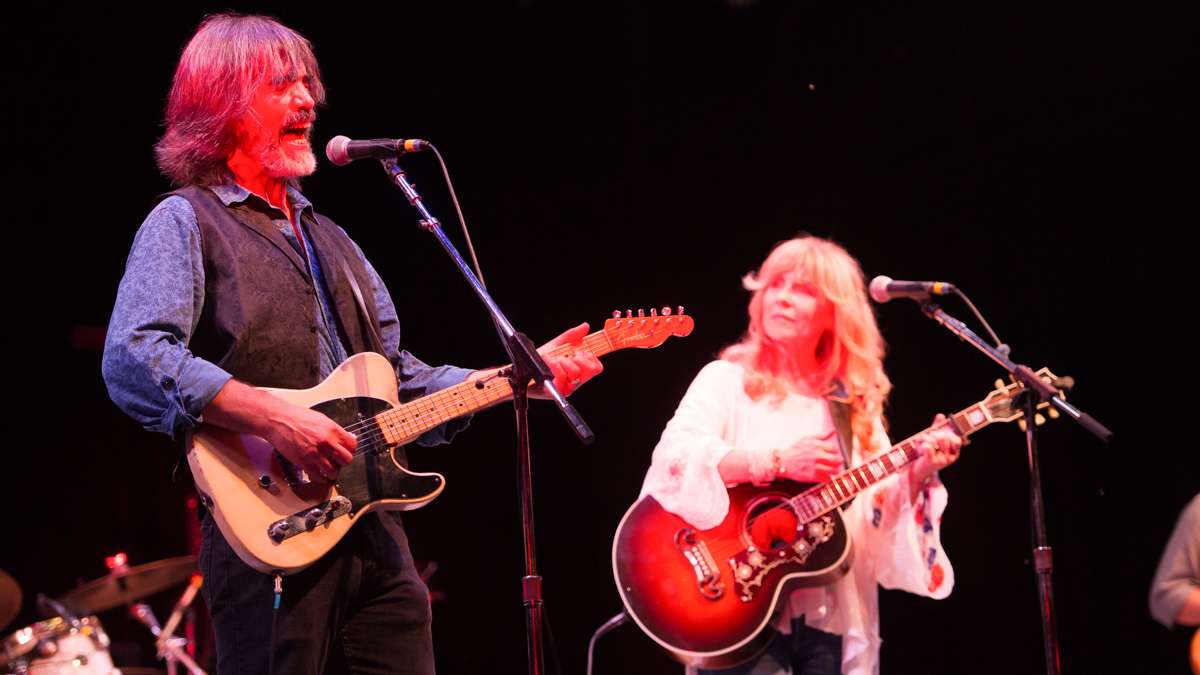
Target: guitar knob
(679,310)
(629,314)
(279,531)
(666,311)
(616,314)
(654,311)
(641,313)
(313,518)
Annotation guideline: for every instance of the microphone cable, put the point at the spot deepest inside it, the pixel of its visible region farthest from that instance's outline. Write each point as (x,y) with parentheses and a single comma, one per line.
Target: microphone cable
(608,625)
(458,210)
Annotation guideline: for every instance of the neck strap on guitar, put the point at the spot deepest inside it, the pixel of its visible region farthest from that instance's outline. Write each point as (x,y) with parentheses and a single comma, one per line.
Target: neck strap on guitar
(840,411)
(367,320)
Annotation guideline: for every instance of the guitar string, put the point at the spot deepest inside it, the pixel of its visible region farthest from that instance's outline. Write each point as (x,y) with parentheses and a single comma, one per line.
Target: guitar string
(470,395)
(598,343)
(594,343)
(838,499)
(370,429)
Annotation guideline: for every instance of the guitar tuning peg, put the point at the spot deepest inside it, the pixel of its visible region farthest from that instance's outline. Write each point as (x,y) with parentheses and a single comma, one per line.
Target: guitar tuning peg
(1038,419)
(679,310)
(999,383)
(616,314)
(666,311)
(641,313)
(629,314)
(654,311)
(1053,413)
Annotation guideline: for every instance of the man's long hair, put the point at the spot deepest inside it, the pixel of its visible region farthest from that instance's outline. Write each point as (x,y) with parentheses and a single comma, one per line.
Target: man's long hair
(219,72)
(853,352)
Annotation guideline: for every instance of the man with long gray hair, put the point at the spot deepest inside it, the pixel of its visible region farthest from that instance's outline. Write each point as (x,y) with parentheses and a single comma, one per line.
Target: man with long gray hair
(235,282)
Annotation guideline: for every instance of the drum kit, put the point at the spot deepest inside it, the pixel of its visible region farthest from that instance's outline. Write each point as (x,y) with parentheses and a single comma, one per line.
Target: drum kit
(73,642)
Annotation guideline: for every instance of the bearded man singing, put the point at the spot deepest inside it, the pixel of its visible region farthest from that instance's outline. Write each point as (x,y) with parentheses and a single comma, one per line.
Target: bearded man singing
(235,282)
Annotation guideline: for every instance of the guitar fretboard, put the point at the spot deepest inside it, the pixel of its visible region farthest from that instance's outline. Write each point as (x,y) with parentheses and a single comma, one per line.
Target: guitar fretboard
(409,420)
(823,498)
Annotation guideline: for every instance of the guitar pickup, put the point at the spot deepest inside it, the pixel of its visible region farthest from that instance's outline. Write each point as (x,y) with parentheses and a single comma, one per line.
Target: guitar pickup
(309,519)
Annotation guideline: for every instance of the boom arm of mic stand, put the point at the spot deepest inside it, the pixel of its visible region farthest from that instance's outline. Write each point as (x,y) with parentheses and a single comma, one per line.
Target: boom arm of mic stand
(1021,373)
(525,359)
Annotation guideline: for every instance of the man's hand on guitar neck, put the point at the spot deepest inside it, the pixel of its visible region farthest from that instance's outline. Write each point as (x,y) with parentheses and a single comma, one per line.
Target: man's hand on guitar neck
(305,437)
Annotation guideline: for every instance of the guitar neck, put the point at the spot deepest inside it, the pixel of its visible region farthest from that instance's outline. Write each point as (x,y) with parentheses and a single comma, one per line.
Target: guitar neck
(823,498)
(409,420)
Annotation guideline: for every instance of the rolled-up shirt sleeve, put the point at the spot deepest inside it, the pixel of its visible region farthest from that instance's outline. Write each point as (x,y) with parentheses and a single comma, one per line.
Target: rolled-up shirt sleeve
(415,377)
(1178,573)
(150,373)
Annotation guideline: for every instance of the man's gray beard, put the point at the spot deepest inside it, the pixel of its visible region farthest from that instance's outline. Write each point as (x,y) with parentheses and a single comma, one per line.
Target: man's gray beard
(277,163)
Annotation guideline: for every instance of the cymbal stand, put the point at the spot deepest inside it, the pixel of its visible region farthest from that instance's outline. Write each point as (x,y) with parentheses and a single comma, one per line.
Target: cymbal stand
(171,648)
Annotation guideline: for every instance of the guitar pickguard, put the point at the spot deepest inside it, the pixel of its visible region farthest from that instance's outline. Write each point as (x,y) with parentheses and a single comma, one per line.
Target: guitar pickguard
(376,472)
(764,524)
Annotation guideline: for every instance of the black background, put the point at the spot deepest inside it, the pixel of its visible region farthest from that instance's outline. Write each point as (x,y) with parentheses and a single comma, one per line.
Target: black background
(626,155)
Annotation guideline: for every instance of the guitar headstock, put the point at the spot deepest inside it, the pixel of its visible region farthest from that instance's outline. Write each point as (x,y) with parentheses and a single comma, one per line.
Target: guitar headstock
(1002,405)
(647,331)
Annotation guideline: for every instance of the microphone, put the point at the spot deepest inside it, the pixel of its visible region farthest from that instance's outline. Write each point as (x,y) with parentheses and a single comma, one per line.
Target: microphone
(885,288)
(341,150)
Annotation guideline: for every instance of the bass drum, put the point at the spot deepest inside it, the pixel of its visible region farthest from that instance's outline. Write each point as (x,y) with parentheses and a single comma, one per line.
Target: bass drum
(59,647)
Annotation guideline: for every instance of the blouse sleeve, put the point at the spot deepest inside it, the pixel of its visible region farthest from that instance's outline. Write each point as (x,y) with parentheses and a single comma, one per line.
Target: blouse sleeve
(683,474)
(904,537)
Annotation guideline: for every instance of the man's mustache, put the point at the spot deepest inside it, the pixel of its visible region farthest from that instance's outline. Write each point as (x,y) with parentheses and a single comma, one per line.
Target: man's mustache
(300,118)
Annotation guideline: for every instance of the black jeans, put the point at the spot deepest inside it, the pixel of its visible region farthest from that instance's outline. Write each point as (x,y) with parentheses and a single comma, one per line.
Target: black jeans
(361,608)
(807,651)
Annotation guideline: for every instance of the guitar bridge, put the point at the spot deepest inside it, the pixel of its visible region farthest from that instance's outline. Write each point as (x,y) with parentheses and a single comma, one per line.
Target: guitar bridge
(708,576)
(308,519)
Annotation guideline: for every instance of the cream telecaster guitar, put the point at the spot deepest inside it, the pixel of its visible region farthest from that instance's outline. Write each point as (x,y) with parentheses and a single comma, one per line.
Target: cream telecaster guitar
(279,521)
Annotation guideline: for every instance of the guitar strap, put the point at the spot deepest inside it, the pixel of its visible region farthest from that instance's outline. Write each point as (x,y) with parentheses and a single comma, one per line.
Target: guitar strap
(372,330)
(839,410)
(391,524)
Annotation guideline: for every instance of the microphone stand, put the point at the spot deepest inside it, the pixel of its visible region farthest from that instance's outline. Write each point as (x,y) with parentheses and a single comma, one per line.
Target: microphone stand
(527,366)
(1036,391)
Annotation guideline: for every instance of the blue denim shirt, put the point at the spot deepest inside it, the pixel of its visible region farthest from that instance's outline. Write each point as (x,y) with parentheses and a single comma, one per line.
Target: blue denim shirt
(149,370)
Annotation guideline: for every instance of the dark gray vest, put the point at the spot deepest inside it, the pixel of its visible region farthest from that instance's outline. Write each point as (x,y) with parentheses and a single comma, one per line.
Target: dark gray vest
(259,299)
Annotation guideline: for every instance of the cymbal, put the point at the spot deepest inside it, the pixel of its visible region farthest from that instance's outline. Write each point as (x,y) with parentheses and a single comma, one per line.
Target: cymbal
(124,587)
(10,599)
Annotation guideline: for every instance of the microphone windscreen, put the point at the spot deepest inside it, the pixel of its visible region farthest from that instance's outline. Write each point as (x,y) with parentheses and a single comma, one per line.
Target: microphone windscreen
(335,150)
(879,288)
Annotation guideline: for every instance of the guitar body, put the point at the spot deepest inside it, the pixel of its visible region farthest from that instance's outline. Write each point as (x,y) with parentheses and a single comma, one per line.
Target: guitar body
(249,488)
(279,521)
(707,596)
(1194,653)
